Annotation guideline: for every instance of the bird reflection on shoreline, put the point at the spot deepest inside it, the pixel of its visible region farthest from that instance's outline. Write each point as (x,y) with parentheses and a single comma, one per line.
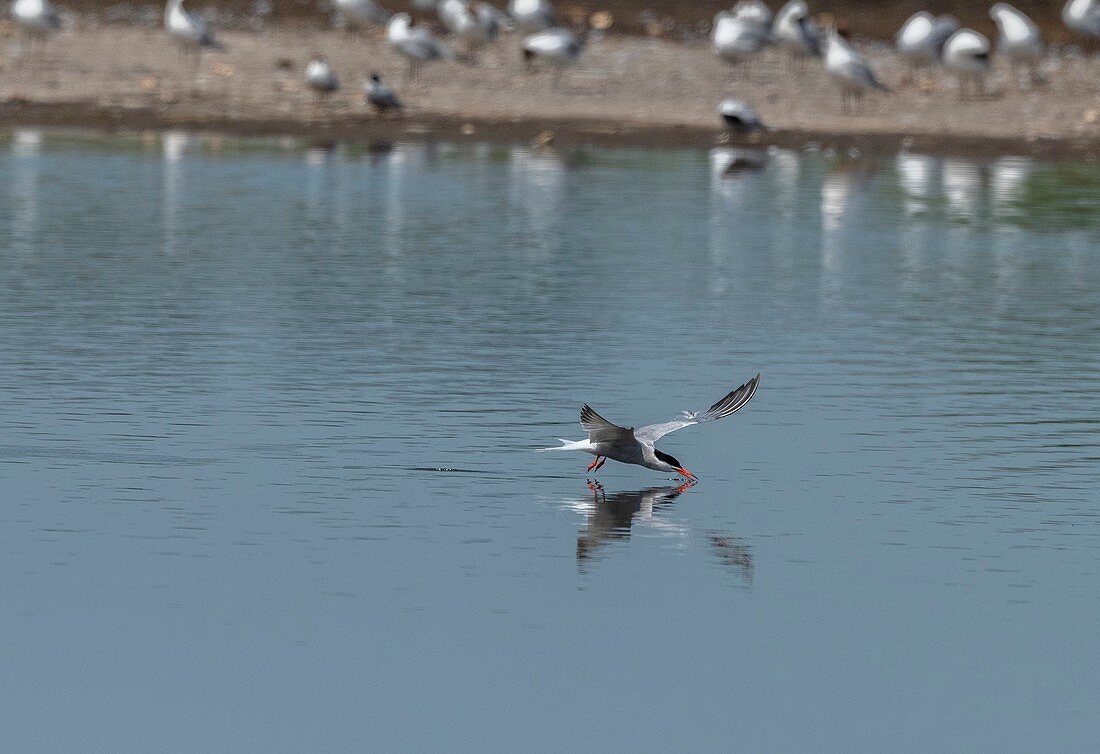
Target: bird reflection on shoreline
(609,517)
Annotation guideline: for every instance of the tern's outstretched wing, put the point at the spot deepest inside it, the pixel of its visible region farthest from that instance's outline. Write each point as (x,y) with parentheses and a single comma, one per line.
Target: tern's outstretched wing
(600,429)
(734,401)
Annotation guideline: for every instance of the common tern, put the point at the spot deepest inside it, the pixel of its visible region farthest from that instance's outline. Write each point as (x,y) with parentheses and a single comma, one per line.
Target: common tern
(635,446)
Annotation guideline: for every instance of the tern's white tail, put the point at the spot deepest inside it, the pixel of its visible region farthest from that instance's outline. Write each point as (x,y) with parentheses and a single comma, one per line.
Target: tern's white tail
(567,445)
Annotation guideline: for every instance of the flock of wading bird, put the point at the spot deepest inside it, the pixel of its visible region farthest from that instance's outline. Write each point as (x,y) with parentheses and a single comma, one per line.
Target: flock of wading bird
(924,41)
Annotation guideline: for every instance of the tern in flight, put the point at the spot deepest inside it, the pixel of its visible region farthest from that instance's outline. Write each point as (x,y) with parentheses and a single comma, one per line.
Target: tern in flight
(630,445)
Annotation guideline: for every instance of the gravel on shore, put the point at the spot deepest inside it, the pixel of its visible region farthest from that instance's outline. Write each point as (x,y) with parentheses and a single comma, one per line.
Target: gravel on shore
(624,90)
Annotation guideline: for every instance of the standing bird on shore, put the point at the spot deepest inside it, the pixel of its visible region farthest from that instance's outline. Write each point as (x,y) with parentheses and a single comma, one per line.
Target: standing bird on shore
(320,77)
(558,47)
(848,69)
(739,116)
(38,19)
(736,40)
(360,14)
(469,24)
(1018,39)
(531,15)
(966,54)
(920,41)
(1083,16)
(635,446)
(190,32)
(414,43)
(379,96)
(797,33)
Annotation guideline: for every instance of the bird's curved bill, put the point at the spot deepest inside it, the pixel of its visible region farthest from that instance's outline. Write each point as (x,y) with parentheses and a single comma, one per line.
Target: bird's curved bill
(688,474)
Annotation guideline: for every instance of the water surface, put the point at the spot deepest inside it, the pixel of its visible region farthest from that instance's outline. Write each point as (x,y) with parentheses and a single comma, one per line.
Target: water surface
(269,414)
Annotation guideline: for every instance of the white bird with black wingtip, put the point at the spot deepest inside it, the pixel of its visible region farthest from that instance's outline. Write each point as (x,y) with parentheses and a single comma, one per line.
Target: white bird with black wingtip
(966,54)
(739,116)
(191,32)
(920,41)
(1018,39)
(797,33)
(416,44)
(737,40)
(848,69)
(636,446)
(558,47)
(469,24)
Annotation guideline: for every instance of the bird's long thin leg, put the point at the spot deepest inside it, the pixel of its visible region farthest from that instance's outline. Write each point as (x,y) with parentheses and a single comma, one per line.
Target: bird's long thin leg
(594,465)
(601,463)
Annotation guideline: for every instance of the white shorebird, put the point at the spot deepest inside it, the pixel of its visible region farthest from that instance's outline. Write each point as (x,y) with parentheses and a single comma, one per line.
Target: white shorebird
(558,47)
(797,33)
(320,77)
(1018,39)
(473,25)
(379,96)
(1083,16)
(416,44)
(190,32)
(358,14)
(966,54)
(848,69)
(920,40)
(737,40)
(531,15)
(739,116)
(635,446)
(754,12)
(38,18)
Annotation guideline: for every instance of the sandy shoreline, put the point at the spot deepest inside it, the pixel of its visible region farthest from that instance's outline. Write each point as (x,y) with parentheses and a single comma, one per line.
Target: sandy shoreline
(624,91)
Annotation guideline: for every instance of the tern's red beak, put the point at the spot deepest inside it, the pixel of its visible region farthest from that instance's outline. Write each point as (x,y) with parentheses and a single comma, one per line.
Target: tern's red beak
(688,474)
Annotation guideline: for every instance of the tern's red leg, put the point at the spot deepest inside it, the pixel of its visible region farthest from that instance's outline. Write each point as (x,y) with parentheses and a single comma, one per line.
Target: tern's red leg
(599,466)
(594,465)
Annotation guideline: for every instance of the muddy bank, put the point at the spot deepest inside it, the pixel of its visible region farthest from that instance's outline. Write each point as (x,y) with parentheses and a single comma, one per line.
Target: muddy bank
(625,90)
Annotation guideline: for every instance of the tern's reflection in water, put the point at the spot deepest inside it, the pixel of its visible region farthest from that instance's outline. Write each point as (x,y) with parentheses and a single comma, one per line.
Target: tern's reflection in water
(611,515)
(733,552)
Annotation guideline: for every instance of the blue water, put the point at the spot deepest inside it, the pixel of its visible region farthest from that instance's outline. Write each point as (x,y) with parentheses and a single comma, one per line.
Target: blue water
(269,413)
